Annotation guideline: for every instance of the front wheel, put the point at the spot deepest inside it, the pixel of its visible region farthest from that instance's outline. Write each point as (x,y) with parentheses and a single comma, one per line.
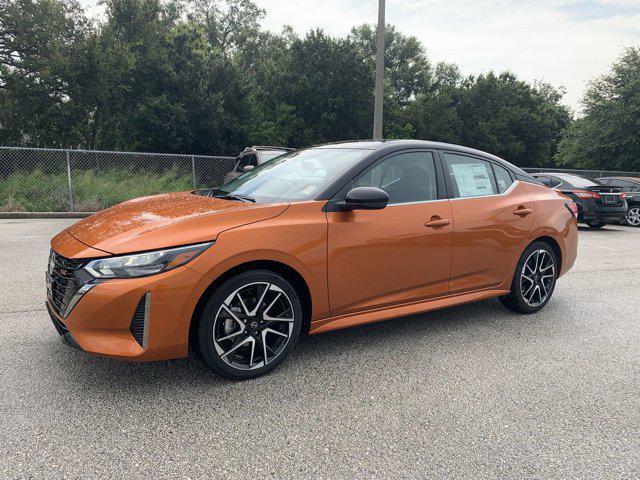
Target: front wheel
(633,216)
(596,224)
(249,325)
(534,279)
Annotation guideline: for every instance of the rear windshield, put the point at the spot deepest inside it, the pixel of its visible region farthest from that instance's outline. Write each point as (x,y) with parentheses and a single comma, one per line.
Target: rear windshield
(579,181)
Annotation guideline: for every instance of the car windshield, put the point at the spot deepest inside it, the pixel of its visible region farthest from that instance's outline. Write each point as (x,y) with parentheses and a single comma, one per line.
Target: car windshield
(265,157)
(294,176)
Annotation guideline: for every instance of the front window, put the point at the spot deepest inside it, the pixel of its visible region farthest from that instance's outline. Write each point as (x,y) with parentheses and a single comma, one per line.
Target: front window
(407,178)
(294,176)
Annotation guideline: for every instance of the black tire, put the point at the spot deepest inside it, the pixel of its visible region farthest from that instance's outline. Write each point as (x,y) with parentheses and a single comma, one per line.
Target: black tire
(227,357)
(516,299)
(596,224)
(633,216)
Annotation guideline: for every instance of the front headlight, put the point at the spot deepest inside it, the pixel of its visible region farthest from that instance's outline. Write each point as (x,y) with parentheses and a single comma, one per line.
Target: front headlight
(143,264)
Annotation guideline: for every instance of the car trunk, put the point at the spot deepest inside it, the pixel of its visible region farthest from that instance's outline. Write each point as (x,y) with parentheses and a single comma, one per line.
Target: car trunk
(609,196)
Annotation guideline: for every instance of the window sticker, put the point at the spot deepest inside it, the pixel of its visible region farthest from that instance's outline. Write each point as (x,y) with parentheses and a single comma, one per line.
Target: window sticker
(472,179)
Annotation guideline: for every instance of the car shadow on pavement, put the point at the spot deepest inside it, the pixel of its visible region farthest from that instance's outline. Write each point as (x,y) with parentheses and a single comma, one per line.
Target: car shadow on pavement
(316,353)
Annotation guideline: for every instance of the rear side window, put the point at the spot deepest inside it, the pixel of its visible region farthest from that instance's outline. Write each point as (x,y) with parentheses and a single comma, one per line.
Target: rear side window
(503,178)
(470,177)
(407,177)
(549,182)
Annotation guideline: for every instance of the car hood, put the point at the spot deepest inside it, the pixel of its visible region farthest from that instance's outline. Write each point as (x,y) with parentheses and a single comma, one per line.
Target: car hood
(168,220)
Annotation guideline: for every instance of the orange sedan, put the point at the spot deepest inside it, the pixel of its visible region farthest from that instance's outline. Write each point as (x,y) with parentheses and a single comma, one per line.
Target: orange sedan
(311,241)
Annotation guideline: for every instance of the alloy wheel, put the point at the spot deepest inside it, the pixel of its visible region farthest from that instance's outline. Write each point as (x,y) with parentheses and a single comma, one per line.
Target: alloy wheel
(537,278)
(253,326)
(633,216)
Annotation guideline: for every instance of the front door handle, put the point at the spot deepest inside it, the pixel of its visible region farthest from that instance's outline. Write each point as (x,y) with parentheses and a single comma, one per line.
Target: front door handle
(522,211)
(437,222)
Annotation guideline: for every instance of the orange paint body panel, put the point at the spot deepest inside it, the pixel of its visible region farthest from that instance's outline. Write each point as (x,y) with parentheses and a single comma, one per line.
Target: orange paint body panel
(488,237)
(408,261)
(355,267)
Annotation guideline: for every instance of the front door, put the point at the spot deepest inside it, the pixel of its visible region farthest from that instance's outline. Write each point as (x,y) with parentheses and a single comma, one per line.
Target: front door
(399,254)
(493,216)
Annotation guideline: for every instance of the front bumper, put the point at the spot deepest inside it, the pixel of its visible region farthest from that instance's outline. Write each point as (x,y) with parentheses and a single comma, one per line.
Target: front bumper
(101,320)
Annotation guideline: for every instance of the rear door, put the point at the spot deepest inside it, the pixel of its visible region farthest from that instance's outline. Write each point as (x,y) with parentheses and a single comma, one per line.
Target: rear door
(492,216)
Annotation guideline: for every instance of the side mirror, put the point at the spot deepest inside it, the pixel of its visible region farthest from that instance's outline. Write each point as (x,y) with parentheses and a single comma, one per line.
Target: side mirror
(366,198)
(247,168)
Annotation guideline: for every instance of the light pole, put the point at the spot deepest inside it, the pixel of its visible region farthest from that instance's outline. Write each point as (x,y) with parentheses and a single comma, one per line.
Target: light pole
(378,104)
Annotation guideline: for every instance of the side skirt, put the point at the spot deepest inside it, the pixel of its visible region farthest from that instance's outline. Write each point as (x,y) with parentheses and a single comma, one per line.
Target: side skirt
(395,311)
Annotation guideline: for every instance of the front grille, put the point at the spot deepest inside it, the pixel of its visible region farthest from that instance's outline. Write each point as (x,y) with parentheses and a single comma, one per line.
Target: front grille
(139,321)
(62,283)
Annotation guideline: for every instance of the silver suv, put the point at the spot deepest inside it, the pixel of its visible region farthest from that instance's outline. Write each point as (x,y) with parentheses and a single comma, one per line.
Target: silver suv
(252,157)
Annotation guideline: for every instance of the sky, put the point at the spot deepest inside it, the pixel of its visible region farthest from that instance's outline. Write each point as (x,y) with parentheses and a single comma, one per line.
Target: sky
(562,42)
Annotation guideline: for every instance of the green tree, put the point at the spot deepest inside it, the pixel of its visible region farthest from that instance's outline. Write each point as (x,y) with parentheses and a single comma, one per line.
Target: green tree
(42,50)
(512,119)
(434,113)
(608,134)
(329,87)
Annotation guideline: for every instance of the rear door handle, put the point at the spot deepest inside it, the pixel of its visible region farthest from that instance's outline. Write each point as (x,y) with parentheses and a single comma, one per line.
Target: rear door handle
(437,222)
(523,212)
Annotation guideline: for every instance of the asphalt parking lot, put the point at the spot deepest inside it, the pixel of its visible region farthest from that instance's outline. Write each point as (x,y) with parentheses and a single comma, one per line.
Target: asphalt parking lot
(470,392)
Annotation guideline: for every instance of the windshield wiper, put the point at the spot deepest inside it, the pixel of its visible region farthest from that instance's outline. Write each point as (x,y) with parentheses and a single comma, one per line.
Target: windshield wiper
(231,196)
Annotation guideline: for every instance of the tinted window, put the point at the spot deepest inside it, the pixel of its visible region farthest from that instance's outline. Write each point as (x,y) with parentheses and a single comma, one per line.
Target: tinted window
(503,178)
(549,181)
(470,177)
(408,177)
(545,180)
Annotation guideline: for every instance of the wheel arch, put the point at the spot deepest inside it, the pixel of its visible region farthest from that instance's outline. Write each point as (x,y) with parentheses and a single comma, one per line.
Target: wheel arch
(555,246)
(291,274)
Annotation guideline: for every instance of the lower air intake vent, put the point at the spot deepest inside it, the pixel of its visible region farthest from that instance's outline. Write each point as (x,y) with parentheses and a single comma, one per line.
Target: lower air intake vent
(140,321)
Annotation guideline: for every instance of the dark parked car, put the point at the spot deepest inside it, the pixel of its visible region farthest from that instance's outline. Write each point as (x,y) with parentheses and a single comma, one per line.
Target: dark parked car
(631,187)
(598,204)
(251,157)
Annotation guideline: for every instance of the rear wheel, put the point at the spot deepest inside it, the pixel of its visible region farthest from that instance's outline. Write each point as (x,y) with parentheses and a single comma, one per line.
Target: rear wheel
(596,224)
(633,216)
(249,325)
(534,279)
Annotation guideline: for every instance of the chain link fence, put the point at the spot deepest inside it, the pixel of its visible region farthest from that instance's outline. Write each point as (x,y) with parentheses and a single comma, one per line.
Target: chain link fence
(51,180)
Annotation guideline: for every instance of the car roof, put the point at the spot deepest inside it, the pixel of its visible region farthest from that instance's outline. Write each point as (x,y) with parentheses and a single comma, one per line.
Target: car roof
(376,144)
(393,145)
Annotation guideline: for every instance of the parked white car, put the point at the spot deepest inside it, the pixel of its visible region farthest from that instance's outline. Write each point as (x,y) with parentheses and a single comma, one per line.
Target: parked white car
(252,157)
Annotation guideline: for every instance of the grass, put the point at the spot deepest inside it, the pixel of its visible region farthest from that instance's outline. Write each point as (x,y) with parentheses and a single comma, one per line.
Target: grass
(37,191)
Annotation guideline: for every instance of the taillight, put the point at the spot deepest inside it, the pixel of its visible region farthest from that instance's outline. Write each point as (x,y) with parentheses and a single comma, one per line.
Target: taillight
(585,194)
(573,208)
(623,195)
